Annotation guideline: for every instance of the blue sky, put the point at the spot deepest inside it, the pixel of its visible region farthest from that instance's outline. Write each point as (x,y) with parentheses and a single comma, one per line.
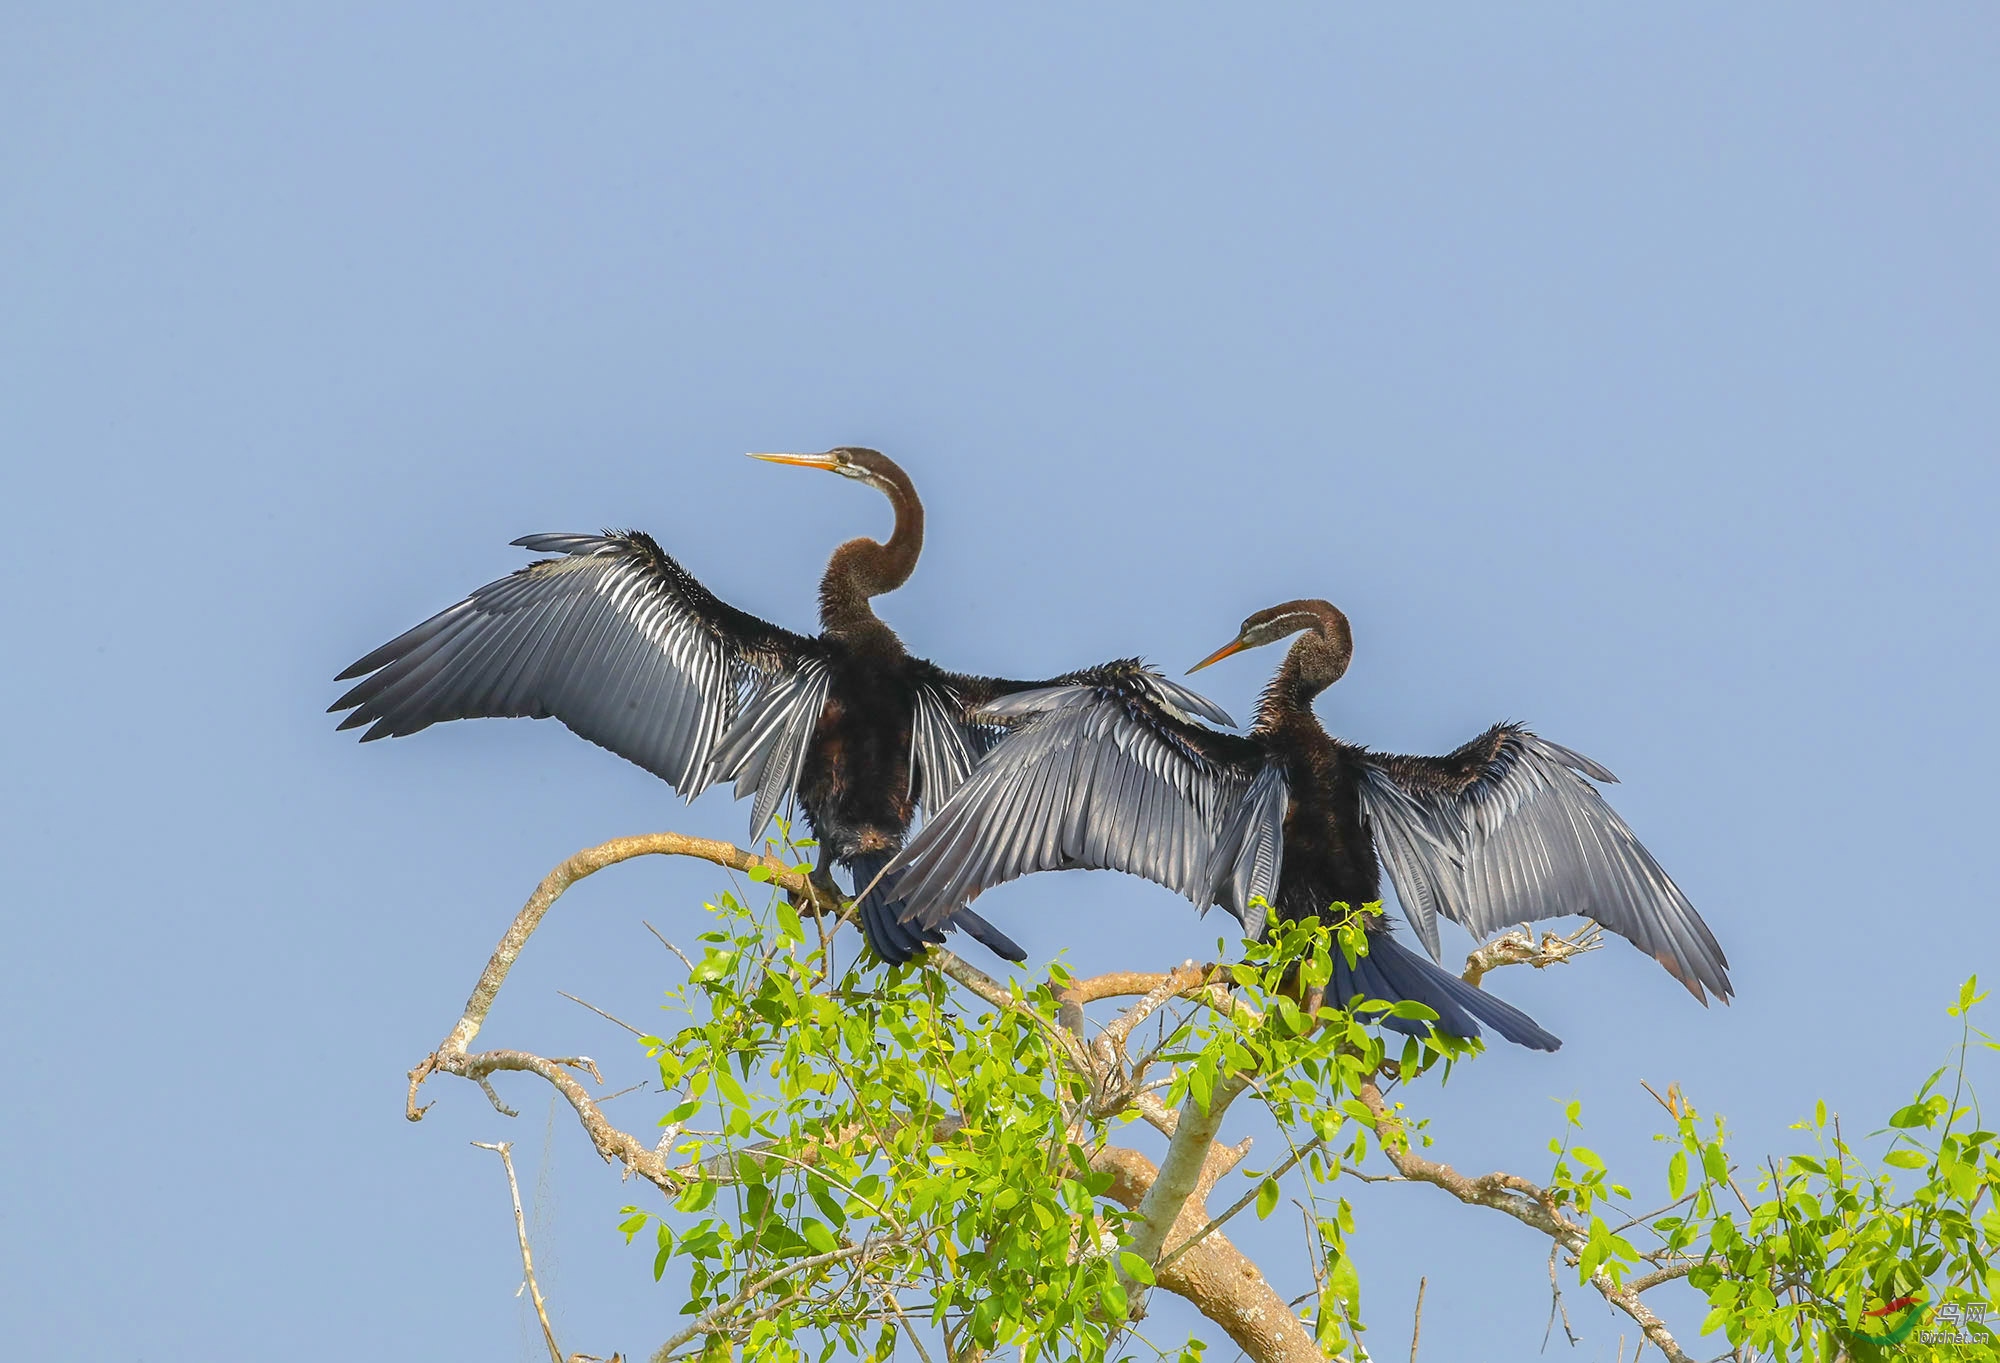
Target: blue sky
(1630,374)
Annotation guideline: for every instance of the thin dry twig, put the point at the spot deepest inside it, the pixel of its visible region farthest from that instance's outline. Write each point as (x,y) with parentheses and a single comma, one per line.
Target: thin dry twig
(916,1341)
(670,946)
(505,1149)
(1675,1103)
(601,1013)
(1556,1304)
(1417,1326)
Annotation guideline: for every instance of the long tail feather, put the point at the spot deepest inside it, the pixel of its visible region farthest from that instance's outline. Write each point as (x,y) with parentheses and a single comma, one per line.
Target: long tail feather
(895,941)
(988,936)
(1392,972)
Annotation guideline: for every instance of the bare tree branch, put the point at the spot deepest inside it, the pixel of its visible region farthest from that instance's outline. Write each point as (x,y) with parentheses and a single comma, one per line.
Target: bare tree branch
(670,946)
(1527,1203)
(586,863)
(505,1149)
(452,1056)
(1417,1325)
(1520,948)
(601,1013)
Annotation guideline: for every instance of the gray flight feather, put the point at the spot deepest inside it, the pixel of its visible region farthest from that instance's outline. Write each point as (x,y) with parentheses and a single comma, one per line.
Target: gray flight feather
(1508,830)
(1423,865)
(1249,856)
(765,749)
(1095,776)
(614,638)
(1183,702)
(942,749)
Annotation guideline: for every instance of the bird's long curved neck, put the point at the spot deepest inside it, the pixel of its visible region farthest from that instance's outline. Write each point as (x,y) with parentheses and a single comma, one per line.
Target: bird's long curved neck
(1289,695)
(865,568)
(1315,661)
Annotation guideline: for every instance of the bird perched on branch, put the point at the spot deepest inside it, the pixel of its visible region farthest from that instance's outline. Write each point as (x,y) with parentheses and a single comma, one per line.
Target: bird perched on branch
(623,645)
(1506,829)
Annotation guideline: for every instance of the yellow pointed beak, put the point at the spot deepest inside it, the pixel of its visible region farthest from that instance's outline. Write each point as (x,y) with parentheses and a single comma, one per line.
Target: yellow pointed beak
(1233,646)
(804,461)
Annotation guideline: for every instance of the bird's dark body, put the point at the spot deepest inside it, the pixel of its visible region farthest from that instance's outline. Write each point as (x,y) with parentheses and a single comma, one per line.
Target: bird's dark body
(1329,854)
(855,787)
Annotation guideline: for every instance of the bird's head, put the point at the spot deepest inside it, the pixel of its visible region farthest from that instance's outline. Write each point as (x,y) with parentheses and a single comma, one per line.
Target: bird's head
(849,461)
(862,568)
(1279,622)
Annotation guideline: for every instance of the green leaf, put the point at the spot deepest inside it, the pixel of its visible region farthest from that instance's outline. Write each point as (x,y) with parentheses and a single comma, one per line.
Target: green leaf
(1267,1198)
(1968,995)
(1906,1159)
(1136,1268)
(713,966)
(788,922)
(822,1197)
(1344,1282)
(1112,1293)
(1916,1114)
(1677,1175)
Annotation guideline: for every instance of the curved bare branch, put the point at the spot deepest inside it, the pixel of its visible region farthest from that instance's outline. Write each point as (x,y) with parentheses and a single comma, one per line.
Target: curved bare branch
(1526,1202)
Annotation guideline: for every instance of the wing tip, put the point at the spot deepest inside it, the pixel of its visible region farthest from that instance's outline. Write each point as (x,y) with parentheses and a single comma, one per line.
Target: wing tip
(1716,979)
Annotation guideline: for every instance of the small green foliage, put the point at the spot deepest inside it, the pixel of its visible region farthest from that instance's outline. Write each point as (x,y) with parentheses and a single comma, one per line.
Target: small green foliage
(872,1156)
(1822,1256)
(866,1137)
(849,1136)
(1827,1256)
